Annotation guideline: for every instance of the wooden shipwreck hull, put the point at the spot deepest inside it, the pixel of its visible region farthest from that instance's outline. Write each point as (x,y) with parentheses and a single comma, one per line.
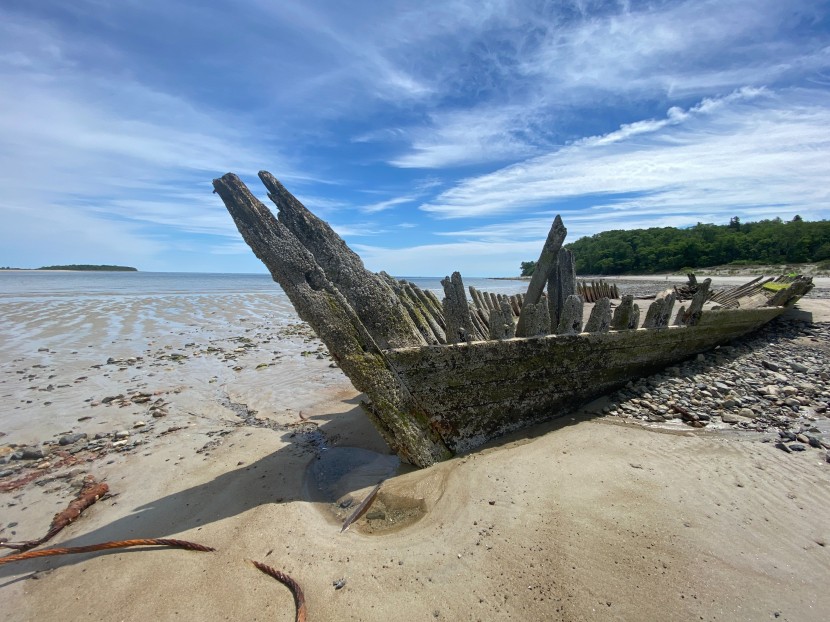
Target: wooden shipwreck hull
(446,376)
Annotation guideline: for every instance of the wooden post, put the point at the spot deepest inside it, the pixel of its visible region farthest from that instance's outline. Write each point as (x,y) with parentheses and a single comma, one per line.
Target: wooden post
(561,285)
(541,274)
(368,293)
(600,319)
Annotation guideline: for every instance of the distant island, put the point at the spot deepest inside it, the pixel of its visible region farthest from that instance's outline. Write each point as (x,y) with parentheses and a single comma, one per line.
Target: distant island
(90,268)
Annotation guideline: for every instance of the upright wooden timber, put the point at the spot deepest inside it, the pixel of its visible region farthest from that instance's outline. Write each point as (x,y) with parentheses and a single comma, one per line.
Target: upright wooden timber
(393,410)
(570,322)
(544,267)
(561,285)
(369,294)
(460,325)
(658,314)
(691,315)
(626,315)
(600,318)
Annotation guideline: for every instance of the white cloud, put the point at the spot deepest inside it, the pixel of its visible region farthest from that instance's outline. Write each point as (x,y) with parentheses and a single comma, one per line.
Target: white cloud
(382,206)
(521,88)
(739,153)
(473,258)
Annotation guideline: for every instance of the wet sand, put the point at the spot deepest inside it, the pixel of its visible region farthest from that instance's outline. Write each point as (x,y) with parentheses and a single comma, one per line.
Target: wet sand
(579,519)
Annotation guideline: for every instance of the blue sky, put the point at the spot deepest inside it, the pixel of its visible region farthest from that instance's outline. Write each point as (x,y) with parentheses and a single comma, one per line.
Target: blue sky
(434,136)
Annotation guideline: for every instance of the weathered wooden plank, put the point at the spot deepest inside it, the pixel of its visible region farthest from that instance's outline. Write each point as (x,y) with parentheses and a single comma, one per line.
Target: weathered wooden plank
(544,265)
(368,293)
(393,410)
(600,319)
(460,326)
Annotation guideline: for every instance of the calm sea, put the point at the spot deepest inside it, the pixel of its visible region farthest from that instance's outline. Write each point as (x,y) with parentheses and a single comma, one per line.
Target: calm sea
(29,284)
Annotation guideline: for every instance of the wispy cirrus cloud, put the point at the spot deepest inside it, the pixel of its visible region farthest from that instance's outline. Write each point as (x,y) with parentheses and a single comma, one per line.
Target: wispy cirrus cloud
(550,65)
(740,153)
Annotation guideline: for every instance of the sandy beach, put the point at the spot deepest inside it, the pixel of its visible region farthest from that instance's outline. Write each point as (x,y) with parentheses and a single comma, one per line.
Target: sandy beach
(221,419)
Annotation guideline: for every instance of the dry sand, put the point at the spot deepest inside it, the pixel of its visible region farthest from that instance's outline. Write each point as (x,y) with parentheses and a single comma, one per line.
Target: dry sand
(581,519)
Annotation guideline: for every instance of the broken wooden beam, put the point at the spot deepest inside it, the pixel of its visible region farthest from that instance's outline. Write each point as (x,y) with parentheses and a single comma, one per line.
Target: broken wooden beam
(544,265)
(368,293)
(393,410)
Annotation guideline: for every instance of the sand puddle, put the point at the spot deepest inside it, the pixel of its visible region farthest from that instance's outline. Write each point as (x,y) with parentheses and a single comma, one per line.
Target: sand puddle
(341,477)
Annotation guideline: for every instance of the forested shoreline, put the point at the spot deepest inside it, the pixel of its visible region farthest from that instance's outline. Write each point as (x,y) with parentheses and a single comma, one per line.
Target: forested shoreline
(668,249)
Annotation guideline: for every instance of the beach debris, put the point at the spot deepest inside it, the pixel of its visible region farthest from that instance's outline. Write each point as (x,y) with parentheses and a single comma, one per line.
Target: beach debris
(693,419)
(104,546)
(91,491)
(597,290)
(360,510)
(339,584)
(291,584)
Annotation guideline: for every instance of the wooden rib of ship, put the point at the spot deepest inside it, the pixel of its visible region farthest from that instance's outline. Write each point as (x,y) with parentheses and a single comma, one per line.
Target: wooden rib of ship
(445,376)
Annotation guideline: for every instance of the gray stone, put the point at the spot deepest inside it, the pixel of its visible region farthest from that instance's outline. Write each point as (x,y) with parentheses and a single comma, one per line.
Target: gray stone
(32,453)
(69,439)
(770,365)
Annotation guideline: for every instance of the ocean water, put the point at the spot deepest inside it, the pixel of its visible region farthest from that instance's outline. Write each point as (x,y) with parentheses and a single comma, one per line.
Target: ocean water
(60,331)
(74,310)
(28,284)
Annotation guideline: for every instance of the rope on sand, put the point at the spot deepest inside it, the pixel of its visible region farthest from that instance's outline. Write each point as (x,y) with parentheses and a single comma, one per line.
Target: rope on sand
(291,584)
(115,544)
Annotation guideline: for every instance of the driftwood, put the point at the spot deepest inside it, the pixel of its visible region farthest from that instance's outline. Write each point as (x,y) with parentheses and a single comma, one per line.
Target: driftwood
(361,509)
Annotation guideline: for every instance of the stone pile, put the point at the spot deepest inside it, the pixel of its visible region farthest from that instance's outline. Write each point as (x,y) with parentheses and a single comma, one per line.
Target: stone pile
(776,381)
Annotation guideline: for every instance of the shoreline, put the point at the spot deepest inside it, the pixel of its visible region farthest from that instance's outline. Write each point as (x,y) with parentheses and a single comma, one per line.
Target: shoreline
(588,517)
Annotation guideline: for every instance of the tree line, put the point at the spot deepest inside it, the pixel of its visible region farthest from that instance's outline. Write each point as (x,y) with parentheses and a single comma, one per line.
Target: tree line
(668,249)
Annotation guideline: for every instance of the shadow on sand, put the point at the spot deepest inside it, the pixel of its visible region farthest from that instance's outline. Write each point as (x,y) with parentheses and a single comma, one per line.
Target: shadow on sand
(278,477)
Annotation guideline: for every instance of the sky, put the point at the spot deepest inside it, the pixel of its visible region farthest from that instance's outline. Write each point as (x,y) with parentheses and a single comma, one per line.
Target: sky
(433,136)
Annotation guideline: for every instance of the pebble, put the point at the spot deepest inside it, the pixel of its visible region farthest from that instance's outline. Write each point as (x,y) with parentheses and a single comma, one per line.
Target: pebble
(32,453)
(69,439)
(757,383)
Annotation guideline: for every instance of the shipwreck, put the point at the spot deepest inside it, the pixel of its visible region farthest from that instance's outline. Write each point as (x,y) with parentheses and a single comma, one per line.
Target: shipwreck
(446,376)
